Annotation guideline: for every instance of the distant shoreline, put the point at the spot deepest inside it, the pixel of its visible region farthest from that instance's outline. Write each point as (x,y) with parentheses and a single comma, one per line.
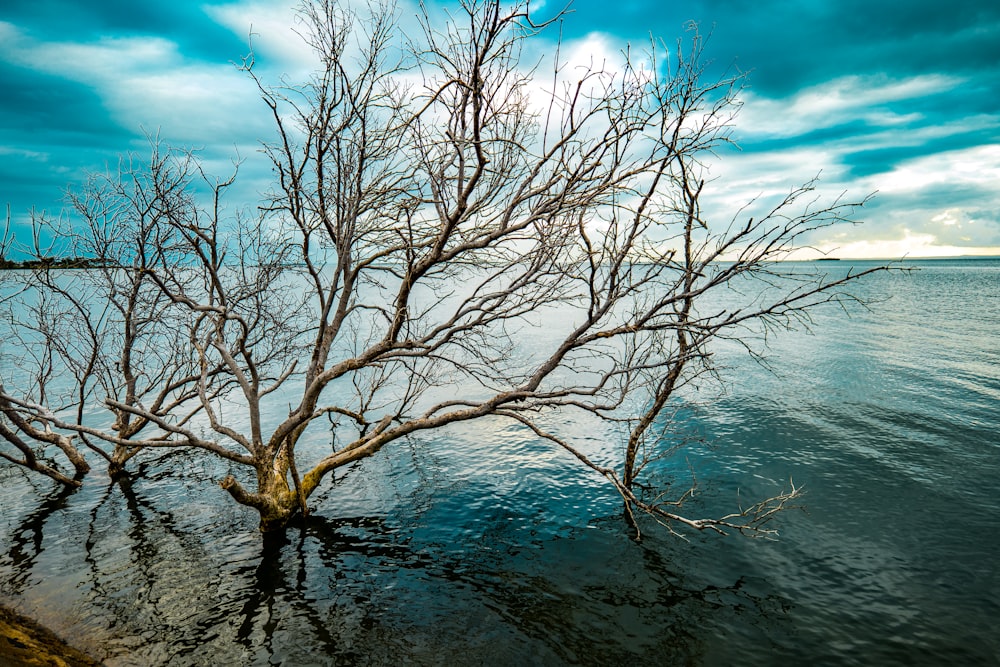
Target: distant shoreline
(50,263)
(896,259)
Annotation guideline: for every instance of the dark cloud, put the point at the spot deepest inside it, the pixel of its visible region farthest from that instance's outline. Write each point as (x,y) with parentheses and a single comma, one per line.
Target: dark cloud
(38,102)
(51,130)
(180,21)
(56,126)
(879,160)
(818,136)
(790,45)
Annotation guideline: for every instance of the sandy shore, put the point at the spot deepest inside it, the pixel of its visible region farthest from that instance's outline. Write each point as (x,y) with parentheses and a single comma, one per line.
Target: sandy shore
(25,642)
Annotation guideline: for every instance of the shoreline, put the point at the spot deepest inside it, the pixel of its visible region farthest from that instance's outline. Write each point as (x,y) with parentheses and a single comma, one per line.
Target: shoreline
(25,642)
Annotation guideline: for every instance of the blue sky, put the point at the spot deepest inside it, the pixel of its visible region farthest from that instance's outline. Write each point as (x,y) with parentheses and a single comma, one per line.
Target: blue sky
(902,98)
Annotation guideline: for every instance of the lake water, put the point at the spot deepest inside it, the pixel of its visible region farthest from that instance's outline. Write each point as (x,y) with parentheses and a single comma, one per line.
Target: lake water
(478,546)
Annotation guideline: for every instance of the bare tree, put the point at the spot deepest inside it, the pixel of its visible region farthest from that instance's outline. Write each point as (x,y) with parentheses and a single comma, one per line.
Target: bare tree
(433,202)
(22,430)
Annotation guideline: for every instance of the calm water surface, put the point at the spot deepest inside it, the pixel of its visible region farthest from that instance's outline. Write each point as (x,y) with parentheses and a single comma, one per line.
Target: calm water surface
(478,546)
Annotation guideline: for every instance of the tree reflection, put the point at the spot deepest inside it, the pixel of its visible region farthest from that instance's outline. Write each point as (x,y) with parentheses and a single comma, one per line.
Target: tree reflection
(163,586)
(27,538)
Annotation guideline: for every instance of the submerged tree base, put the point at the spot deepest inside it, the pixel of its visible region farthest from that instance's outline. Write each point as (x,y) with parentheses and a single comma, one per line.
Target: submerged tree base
(276,509)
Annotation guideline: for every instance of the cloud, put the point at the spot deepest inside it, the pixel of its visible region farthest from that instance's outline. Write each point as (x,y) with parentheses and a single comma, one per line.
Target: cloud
(945,204)
(875,95)
(74,105)
(842,101)
(977,166)
(146,81)
(270,27)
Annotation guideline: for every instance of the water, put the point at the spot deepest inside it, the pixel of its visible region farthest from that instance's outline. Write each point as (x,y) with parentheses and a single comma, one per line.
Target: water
(477,546)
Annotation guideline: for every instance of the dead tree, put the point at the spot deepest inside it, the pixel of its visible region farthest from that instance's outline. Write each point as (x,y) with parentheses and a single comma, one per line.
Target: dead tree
(432,200)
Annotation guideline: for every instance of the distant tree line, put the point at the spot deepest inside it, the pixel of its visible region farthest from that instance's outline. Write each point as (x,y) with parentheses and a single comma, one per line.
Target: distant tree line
(52,263)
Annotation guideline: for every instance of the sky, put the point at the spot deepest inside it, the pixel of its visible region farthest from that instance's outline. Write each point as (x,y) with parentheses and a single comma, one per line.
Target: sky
(901,99)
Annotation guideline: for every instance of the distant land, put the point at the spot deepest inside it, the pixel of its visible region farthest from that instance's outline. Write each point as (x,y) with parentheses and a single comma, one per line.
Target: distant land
(905,258)
(50,263)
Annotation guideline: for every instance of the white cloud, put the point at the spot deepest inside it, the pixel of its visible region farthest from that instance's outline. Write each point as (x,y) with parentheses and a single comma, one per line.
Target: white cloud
(277,29)
(737,179)
(906,222)
(904,219)
(272,27)
(146,82)
(948,217)
(842,100)
(24,153)
(977,166)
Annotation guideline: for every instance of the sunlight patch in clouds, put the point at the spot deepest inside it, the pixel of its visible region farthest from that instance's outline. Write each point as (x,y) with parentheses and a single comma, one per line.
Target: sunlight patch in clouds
(911,245)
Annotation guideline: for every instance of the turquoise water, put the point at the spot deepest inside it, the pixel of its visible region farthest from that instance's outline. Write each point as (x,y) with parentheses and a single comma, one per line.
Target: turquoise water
(479,546)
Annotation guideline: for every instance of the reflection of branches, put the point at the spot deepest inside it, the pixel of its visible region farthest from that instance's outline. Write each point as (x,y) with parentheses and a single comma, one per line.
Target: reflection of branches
(27,536)
(321,588)
(273,596)
(268,579)
(751,520)
(150,575)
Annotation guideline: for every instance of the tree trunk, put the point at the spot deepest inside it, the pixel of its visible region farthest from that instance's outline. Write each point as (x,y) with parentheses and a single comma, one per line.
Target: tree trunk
(275,501)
